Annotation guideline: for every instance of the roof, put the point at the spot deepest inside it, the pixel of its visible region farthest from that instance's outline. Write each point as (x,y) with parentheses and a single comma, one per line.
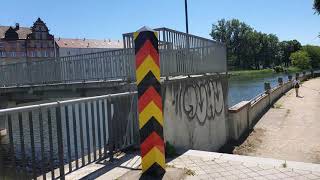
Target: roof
(69,43)
(88,43)
(22,32)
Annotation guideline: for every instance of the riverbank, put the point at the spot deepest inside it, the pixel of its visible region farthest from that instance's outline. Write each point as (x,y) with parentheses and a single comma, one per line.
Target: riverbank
(245,74)
(290,130)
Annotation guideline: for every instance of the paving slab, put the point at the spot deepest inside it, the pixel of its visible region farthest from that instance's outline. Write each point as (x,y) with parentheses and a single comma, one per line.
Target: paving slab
(203,165)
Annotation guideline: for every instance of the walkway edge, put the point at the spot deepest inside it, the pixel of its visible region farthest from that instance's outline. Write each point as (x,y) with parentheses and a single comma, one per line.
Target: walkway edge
(255,160)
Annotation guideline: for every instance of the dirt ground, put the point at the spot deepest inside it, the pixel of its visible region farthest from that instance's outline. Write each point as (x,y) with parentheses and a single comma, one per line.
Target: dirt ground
(290,130)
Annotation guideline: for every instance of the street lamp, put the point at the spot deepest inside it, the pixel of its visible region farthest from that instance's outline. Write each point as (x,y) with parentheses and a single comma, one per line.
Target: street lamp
(186,14)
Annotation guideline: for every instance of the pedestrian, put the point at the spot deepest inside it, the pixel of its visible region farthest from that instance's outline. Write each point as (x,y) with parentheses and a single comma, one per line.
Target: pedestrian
(296,84)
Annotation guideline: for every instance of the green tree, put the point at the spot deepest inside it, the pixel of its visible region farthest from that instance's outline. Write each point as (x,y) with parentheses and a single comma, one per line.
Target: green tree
(286,48)
(316,6)
(314,53)
(250,49)
(300,59)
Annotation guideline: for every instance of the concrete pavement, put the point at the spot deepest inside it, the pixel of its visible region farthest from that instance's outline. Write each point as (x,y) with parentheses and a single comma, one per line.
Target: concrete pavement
(207,165)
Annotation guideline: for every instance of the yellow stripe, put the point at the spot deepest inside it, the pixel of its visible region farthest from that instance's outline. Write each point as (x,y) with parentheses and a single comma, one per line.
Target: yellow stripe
(156,34)
(150,110)
(135,35)
(147,65)
(154,155)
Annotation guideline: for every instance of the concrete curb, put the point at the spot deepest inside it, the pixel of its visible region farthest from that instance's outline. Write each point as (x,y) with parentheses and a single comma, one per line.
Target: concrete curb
(255,160)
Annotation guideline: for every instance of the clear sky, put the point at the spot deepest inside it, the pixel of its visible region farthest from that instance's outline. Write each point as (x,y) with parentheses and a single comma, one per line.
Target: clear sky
(104,19)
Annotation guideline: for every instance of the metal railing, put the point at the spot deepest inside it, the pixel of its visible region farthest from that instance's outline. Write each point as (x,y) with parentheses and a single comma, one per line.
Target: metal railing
(109,65)
(180,54)
(54,139)
(172,39)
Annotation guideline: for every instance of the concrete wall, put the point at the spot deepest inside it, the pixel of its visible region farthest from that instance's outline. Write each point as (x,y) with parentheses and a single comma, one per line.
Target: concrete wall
(244,115)
(195,112)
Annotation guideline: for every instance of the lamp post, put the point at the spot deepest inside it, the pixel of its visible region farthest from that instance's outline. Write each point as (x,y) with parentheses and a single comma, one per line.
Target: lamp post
(186,14)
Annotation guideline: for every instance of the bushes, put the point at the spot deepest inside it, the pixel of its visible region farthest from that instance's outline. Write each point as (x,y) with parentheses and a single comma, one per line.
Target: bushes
(279,69)
(314,54)
(300,59)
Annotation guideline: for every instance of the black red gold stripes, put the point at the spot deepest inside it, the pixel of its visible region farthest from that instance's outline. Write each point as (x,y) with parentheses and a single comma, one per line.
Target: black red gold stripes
(149,103)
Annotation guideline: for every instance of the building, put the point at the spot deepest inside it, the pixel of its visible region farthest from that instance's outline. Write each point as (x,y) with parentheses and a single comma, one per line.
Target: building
(71,47)
(21,44)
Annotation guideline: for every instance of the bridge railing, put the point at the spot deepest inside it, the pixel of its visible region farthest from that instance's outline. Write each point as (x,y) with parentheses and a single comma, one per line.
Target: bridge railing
(109,65)
(180,54)
(54,139)
(186,54)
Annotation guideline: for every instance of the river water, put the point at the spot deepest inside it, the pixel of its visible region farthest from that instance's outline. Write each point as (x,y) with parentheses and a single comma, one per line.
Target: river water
(247,89)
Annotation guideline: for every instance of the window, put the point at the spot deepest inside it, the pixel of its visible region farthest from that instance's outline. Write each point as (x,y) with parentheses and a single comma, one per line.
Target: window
(39,54)
(46,54)
(33,54)
(2,54)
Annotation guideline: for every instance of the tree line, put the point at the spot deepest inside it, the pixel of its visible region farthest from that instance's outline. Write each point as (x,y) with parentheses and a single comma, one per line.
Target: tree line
(248,48)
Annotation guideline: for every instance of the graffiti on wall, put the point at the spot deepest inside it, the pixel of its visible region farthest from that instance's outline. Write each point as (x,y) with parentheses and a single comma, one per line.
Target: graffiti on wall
(200,100)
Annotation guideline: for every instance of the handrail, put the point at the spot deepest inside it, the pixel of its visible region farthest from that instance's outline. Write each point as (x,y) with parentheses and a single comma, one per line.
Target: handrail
(56,104)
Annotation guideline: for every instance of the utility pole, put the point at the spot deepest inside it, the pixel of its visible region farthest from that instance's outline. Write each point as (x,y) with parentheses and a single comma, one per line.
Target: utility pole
(186,14)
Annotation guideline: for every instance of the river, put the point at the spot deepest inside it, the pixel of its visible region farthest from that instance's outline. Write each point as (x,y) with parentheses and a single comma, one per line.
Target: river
(247,89)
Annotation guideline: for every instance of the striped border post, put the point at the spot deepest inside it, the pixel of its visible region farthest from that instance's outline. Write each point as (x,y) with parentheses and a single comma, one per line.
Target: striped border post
(149,102)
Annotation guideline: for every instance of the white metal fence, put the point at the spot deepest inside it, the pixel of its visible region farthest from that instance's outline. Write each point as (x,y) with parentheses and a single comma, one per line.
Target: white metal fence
(68,135)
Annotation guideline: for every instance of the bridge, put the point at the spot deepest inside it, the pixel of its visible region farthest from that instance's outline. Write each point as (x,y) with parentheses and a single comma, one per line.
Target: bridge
(107,72)
(91,112)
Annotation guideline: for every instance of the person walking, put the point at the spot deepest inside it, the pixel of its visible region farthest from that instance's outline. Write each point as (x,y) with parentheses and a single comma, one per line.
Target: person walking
(296,84)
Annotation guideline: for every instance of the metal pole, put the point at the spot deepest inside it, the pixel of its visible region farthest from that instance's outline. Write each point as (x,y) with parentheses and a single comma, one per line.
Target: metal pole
(186,14)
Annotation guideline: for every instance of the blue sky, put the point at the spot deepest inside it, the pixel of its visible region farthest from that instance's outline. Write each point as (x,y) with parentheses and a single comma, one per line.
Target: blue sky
(103,19)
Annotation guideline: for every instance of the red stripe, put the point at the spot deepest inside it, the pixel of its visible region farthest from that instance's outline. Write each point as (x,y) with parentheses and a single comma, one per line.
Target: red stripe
(150,95)
(147,49)
(154,140)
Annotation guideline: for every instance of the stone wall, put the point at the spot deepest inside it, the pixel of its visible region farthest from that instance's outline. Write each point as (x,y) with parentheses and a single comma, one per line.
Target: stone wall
(195,112)
(244,115)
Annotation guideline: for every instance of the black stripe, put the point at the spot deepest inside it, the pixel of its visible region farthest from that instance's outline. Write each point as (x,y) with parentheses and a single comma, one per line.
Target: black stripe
(151,126)
(143,37)
(154,171)
(148,81)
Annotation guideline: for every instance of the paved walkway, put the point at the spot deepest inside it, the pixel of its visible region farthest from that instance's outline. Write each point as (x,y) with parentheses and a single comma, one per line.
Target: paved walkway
(290,130)
(208,165)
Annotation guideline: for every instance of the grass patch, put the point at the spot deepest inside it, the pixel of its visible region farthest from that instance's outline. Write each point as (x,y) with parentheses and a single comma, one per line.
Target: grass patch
(293,69)
(189,172)
(243,74)
(284,165)
(277,106)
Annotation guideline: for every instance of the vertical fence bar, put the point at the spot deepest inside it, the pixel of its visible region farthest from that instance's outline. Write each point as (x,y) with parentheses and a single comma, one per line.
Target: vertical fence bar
(104,119)
(32,146)
(12,151)
(94,148)
(60,142)
(81,135)
(110,127)
(88,132)
(75,140)
(50,143)
(68,137)
(23,155)
(42,144)
(99,127)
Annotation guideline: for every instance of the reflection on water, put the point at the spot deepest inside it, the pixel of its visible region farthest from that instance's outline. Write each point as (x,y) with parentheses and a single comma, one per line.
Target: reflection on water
(246,89)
